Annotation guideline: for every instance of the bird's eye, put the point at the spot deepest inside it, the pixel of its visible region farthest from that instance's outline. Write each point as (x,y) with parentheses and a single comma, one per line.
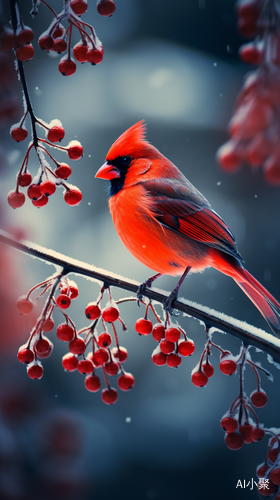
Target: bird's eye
(126,160)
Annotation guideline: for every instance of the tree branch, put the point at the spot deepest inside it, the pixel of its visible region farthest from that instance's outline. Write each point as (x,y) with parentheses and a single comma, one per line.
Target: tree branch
(248,334)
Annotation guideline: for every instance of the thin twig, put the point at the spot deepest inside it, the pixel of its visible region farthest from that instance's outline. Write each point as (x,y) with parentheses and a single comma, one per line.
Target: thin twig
(214,319)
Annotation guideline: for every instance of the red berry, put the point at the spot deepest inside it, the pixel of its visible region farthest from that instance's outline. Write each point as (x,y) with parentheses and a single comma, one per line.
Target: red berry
(63,171)
(186,347)
(228,366)
(166,347)
(42,345)
(92,383)
(77,346)
(172,334)
(106,7)
(35,371)
(275,476)
(25,355)
(110,314)
(158,357)
(273,454)
(246,430)
(257,434)
(63,301)
(269,490)
(79,6)
(85,366)
(251,54)
(24,306)
(43,355)
(56,132)
(7,39)
(143,326)
(16,200)
(80,51)
(73,197)
(45,42)
(41,202)
(109,396)
(104,340)
(59,31)
(48,325)
(18,133)
(126,382)
(92,311)
(208,369)
(75,150)
(120,354)
(199,379)
(234,440)
(69,362)
(174,360)
(24,36)
(111,368)
(33,192)
(262,470)
(229,424)
(25,179)
(70,289)
(67,67)
(101,356)
(258,399)
(25,52)
(59,45)
(65,332)
(228,158)
(95,56)
(47,188)
(158,332)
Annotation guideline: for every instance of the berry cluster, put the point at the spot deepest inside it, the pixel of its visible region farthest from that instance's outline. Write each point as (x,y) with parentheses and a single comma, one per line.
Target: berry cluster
(255,126)
(58,39)
(270,468)
(20,40)
(44,184)
(103,355)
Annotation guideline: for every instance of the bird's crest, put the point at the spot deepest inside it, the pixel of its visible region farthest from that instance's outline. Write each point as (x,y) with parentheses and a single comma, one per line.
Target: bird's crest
(129,142)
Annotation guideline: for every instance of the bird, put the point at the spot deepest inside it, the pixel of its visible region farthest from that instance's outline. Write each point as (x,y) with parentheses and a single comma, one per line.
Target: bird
(168,225)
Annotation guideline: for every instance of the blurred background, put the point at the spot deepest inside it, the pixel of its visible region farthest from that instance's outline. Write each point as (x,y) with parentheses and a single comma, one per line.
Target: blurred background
(174,64)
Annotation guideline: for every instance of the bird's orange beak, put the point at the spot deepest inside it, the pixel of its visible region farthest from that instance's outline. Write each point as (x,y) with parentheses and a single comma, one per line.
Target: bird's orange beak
(108,172)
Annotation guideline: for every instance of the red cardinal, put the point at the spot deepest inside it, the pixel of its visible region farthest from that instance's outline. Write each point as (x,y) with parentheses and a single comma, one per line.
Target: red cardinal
(167,224)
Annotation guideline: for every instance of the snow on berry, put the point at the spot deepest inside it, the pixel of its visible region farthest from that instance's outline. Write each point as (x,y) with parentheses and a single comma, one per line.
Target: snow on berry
(70,362)
(35,370)
(92,311)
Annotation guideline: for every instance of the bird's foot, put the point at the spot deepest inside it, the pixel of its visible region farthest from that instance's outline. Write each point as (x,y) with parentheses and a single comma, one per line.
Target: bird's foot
(168,302)
(141,289)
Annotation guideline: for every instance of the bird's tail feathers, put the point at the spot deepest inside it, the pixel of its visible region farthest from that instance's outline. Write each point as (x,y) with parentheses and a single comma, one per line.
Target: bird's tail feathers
(263,300)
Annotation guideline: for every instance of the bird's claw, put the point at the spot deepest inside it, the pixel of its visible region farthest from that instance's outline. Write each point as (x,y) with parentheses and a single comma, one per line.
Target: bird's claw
(168,302)
(140,291)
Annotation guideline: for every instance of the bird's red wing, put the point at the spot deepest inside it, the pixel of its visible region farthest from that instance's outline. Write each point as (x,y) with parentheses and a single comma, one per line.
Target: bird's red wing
(183,209)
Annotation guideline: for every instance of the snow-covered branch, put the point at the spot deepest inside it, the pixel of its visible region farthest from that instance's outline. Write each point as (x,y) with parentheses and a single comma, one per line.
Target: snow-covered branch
(248,334)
